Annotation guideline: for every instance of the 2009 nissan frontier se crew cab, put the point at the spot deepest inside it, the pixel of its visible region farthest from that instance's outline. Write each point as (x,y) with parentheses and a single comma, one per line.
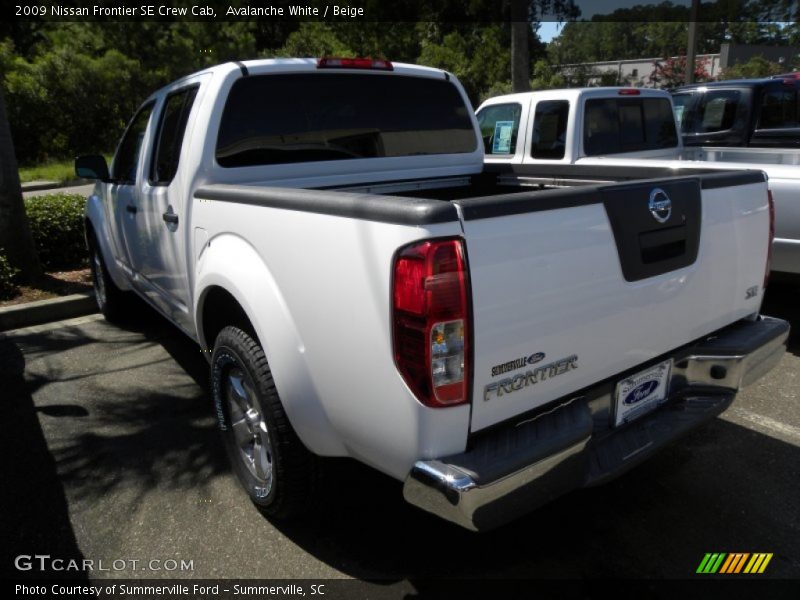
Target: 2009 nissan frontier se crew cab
(324,229)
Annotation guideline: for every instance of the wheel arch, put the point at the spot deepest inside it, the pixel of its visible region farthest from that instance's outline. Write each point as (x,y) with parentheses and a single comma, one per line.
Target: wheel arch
(234,286)
(96,230)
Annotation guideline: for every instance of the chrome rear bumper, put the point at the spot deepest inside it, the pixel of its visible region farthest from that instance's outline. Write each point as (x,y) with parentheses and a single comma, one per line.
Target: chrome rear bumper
(516,468)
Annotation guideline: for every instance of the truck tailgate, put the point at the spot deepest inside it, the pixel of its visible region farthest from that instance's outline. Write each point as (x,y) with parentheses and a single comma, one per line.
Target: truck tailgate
(572,287)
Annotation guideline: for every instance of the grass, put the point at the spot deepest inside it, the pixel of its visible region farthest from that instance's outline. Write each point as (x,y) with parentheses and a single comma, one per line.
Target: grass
(61,172)
(54,171)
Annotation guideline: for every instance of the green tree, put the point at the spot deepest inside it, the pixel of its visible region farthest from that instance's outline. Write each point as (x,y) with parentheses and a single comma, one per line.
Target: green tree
(66,102)
(546,77)
(313,39)
(479,56)
(758,66)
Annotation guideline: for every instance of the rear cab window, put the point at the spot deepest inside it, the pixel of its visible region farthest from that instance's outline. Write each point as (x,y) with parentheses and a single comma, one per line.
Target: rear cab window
(779,109)
(305,117)
(617,125)
(499,125)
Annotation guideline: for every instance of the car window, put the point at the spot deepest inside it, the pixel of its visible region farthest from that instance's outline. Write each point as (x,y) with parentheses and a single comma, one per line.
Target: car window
(779,109)
(681,106)
(169,139)
(659,123)
(601,127)
(126,159)
(288,118)
(614,125)
(549,129)
(717,111)
(499,124)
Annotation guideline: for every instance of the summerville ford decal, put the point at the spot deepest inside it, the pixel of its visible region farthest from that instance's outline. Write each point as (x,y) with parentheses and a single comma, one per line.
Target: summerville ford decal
(510,385)
(513,365)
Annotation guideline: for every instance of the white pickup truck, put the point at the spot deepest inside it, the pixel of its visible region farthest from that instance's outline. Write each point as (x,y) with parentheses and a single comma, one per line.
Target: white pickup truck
(325,232)
(600,128)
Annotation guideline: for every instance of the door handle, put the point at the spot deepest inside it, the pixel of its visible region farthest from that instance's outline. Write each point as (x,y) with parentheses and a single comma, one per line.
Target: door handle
(131,209)
(170,218)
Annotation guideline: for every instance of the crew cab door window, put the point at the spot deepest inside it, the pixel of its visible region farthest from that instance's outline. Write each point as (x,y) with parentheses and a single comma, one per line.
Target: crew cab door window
(123,170)
(710,112)
(549,129)
(169,138)
(499,124)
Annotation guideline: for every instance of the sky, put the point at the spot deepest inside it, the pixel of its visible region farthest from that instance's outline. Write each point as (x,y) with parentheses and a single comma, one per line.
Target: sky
(549,29)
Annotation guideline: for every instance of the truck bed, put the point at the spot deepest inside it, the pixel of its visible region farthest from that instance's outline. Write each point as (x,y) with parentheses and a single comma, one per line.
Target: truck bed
(583,276)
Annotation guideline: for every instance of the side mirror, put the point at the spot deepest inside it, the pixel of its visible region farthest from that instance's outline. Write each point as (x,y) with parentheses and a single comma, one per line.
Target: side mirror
(92,166)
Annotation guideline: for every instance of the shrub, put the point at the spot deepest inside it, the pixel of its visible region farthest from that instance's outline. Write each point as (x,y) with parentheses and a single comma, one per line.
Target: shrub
(57,226)
(7,286)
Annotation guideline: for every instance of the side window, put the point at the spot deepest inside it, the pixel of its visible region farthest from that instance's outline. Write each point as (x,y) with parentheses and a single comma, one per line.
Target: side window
(717,111)
(681,104)
(549,129)
(779,109)
(130,147)
(499,124)
(171,127)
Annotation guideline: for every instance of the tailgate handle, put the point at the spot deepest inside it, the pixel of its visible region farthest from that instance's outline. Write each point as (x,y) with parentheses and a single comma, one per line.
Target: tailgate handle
(662,244)
(170,218)
(131,209)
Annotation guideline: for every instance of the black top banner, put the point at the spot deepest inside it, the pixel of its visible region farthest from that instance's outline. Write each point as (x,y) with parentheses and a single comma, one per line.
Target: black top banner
(403,10)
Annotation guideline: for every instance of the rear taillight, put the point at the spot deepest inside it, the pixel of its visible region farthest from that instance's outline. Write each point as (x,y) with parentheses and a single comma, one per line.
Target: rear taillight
(771,236)
(431,321)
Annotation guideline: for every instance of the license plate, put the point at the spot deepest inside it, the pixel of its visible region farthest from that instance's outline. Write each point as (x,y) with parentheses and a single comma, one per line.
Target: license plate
(641,393)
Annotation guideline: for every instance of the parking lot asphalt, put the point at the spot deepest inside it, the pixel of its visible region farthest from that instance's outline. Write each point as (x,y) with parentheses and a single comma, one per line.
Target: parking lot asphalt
(110,452)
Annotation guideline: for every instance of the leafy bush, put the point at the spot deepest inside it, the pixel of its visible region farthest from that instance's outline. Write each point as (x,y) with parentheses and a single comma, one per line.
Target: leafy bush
(57,226)
(758,66)
(7,286)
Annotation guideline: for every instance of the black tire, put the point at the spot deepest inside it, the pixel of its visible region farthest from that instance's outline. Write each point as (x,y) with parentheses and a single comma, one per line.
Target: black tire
(113,303)
(259,438)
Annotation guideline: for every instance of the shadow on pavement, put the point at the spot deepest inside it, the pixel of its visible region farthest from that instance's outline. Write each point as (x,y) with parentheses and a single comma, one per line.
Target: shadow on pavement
(148,434)
(782,300)
(34,517)
(134,427)
(723,488)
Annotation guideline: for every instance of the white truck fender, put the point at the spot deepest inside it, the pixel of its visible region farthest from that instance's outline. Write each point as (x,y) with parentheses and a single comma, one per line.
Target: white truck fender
(97,217)
(231,263)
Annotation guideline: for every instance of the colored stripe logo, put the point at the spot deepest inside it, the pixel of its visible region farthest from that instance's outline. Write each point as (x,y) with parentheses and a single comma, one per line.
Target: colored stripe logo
(734,563)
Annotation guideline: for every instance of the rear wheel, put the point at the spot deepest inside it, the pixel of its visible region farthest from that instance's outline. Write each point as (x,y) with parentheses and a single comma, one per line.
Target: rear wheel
(272,464)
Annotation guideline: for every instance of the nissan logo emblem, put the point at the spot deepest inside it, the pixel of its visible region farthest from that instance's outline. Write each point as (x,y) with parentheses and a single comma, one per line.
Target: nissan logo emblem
(660,205)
